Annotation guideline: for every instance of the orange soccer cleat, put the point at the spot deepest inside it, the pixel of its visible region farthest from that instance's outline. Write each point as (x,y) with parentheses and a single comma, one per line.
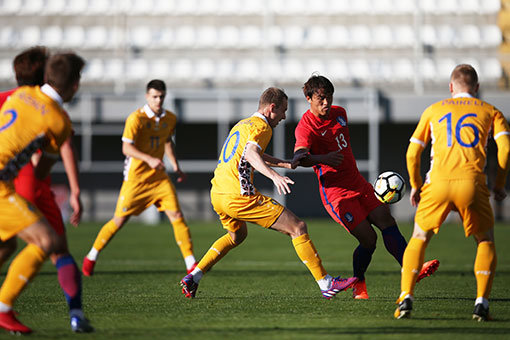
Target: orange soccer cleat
(9,322)
(359,290)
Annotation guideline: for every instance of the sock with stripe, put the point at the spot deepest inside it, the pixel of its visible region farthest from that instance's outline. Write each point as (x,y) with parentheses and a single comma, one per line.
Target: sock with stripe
(485,266)
(104,236)
(414,256)
(308,254)
(22,269)
(183,239)
(219,249)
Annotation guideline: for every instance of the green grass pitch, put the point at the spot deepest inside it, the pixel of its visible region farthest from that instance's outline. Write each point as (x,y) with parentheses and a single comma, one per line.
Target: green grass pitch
(262,291)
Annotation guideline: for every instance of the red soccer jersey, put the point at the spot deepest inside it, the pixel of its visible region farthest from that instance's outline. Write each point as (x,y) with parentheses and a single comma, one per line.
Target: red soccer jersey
(322,136)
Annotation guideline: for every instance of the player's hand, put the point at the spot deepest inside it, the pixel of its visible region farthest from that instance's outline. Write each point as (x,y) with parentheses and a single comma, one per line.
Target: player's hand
(181,176)
(282,184)
(76,205)
(415,197)
(156,163)
(297,159)
(334,158)
(499,194)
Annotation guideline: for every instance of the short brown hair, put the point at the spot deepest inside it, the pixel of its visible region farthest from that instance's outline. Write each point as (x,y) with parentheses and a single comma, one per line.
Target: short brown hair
(272,95)
(316,83)
(156,84)
(465,75)
(63,70)
(29,66)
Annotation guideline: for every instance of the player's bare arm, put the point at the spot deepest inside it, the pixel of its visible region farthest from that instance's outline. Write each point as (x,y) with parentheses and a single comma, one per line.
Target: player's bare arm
(255,159)
(306,159)
(170,153)
(130,150)
(71,167)
(44,165)
(278,163)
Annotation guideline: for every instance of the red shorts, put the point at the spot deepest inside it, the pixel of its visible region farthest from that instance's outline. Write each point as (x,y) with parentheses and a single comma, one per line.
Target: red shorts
(350,210)
(39,194)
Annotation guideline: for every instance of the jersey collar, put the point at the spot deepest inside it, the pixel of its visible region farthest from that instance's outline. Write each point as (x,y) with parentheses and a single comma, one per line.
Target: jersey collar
(463,94)
(260,115)
(50,92)
(148,111)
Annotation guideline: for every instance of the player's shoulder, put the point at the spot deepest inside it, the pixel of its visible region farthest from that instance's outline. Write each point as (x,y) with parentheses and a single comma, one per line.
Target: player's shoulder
(169,115)
(338,110)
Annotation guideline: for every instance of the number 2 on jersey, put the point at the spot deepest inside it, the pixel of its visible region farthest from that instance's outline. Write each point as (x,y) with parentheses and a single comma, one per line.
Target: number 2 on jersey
(13,114)
(459,126)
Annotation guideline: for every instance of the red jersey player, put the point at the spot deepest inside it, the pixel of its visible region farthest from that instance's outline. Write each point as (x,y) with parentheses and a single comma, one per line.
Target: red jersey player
(29,69)
(322,140)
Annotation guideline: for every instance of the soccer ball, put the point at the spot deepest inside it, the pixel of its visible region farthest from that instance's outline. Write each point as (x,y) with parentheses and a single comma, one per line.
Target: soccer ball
(389,187)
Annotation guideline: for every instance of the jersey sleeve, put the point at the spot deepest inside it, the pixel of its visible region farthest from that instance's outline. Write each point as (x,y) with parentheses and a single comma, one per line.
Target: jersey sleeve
(422,133)
(501,133)
(130,129)
(303,136)
(261,136)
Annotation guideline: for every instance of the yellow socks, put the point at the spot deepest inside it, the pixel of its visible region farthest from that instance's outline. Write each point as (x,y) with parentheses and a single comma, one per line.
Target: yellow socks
(411,265)
(308,254)
(105,235)
(22,269)
(485,265)
(182,237)
(219,249)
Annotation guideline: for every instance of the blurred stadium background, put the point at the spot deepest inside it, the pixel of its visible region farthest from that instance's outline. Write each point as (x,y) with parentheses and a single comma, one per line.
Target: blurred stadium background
(388,59)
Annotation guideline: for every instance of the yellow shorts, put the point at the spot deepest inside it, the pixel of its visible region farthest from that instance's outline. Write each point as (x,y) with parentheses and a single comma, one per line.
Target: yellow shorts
(135,197)
(234,210)
(16,213)
(469,197)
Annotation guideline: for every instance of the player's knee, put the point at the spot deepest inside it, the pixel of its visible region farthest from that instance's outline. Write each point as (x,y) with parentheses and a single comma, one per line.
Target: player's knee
(239,236)
(8,248)
(298,229)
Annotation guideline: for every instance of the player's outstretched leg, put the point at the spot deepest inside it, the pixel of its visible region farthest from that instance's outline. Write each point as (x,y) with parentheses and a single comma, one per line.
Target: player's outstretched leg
(218,250)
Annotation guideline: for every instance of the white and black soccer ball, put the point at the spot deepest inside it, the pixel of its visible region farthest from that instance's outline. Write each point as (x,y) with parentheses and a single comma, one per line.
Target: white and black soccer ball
(389,187)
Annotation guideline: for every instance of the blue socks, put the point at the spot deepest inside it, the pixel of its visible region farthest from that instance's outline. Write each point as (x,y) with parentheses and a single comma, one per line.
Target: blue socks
(394,242)
(360,261)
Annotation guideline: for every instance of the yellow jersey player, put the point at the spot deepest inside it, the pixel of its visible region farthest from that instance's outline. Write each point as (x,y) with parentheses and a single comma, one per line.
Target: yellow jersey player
(236,200)
(146,139)
(31,119)
(458,129)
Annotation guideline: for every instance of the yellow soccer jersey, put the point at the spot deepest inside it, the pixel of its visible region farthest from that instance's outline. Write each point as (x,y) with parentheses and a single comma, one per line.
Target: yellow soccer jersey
(148,133)
(30,120)
(234,174)
(458,129)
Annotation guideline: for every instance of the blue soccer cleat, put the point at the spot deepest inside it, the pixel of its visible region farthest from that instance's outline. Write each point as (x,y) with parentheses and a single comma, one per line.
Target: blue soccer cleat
(338,285)
(189,287)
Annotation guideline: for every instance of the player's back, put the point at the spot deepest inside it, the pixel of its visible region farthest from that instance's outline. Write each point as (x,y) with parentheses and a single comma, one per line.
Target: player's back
(29,120)
(233,173)
(459,129)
